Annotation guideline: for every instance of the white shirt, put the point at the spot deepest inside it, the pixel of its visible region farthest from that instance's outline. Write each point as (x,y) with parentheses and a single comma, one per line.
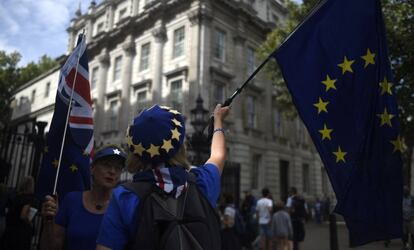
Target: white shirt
(263,206)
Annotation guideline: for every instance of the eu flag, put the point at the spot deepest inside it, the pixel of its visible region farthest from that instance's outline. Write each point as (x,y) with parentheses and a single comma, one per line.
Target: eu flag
(74,172)
(337,70)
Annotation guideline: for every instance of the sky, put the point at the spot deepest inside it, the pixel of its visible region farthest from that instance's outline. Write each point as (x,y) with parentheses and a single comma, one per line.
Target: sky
(38,27)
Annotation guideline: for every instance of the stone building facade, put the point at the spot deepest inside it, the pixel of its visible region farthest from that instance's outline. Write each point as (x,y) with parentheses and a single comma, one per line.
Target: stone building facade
(169,52)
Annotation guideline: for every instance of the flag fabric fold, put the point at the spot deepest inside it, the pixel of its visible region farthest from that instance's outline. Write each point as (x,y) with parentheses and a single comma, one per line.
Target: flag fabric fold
(78,146)
(336,68)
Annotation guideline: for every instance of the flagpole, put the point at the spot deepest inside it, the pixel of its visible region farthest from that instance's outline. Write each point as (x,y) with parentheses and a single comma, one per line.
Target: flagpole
(67,116)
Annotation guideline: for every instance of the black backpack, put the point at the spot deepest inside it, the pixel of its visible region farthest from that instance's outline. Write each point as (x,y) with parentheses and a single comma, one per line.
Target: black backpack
(186,223)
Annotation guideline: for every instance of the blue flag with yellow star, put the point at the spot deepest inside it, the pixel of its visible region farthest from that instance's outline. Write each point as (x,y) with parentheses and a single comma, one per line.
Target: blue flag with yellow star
(74,173)
(336,68)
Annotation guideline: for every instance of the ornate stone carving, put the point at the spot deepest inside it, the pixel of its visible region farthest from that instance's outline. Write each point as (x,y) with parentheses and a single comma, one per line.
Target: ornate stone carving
(103,58)
(129,45)
(200,16)
(160,34)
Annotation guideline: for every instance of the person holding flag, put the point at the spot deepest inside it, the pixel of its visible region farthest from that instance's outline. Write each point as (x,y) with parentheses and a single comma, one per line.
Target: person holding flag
(74,223)
(66,171)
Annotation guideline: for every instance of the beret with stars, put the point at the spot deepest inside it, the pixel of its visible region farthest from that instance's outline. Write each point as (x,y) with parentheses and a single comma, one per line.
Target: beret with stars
(156,134)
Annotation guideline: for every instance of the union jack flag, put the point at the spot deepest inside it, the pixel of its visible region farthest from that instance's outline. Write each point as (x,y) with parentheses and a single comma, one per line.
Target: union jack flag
(74,172)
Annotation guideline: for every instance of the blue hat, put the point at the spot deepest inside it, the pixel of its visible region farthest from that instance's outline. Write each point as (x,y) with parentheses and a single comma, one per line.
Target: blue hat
(156,134)
(109,151)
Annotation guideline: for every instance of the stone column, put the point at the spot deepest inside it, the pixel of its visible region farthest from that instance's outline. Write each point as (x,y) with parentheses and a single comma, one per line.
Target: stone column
(200,18)
(135,7)
(160,36)
(103,59)
(129,52)
(89,29)
(110,9)
(240,77)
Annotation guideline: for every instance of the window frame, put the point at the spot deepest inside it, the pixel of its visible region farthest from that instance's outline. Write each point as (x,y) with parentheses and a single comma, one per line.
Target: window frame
(146,58)
(117,71)
(219,49)
(178,45)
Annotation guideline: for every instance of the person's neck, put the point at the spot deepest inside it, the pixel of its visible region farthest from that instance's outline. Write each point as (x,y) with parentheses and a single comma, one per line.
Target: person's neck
(100,195)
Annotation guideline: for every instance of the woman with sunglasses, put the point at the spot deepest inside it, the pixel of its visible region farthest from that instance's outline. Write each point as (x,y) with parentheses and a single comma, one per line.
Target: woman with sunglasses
(74,224)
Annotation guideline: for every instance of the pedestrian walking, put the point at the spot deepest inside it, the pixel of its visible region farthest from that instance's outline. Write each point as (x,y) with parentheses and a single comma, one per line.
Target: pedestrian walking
(264,210)
(281,227)
(232,226)
(248,212)
(297,208)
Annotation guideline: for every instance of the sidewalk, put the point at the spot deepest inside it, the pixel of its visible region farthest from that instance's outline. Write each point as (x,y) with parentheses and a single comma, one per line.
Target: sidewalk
(317,238)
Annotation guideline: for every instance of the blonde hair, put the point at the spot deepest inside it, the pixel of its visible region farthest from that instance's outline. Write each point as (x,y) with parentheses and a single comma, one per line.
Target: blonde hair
(134,163)
(26,185)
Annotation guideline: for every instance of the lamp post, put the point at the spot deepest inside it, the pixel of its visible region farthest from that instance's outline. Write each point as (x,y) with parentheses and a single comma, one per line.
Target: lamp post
(199,142)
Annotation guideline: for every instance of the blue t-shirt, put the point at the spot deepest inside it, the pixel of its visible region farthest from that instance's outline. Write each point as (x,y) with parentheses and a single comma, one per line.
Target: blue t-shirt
(81,226)
(120,221)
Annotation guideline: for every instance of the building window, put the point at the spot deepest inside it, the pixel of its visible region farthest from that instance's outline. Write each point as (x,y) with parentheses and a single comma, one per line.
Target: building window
(251,61)
(220,45)
(47,89)
(144,60)
(33,95)
(178,49)
(177,94)
(254,175)
(305,178)
(141,96)
(113,115)
(220,93)
(117,68)
(94,77)
(251,112)
(122,14)
(99,27)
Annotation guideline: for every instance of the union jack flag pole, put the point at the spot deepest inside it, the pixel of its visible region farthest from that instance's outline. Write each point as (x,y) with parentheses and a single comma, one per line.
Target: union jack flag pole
(68,112)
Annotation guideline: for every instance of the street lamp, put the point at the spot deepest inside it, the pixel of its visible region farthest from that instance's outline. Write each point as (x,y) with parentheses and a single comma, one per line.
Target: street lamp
(199,120)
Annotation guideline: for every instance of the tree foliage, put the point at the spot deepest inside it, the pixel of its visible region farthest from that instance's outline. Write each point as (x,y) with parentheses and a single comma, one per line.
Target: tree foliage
(399,21)
(12,76)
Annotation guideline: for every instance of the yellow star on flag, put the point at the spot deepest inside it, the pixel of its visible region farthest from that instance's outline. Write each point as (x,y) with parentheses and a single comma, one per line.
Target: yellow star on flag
(340,155)
(153,150)
(326,132)
(167,145)
(73,168)
(398,145)
(385,118)
(329,83)
(385,86)
(321,105)
(177,123)
(55,163)
(138,149)
(369,58)
(346,65)
(175,134)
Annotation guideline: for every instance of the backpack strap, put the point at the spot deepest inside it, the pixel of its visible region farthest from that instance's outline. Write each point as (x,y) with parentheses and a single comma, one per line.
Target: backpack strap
(141,189)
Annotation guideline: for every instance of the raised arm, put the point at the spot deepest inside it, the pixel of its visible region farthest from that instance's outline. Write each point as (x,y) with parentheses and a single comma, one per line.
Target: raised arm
(218,143)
